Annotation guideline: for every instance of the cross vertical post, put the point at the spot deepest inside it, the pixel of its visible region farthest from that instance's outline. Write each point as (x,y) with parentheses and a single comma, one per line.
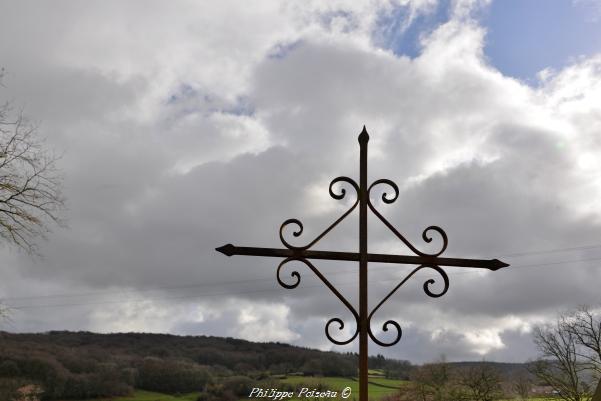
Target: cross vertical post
(363,353)
(363,318)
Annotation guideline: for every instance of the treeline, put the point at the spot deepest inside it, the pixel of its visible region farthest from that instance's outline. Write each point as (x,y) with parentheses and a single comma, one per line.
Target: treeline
(468,381)
(79,365)
(85,375)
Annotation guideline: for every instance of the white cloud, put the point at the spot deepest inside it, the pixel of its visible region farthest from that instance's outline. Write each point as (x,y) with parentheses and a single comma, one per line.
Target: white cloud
(267,322)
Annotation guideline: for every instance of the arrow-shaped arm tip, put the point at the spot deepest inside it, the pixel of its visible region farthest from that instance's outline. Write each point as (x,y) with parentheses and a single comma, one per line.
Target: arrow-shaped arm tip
(497,264)
(227,250)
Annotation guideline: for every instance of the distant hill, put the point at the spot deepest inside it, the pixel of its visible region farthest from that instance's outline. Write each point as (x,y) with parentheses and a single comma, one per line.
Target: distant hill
(504,368)
(82,365)
(72,365)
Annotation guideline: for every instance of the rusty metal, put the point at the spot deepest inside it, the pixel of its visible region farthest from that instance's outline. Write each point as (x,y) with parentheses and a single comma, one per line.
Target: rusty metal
(489,264)
(363,318)
(363,323)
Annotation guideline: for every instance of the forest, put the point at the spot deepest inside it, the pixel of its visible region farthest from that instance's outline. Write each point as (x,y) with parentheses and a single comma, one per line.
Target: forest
(82,365)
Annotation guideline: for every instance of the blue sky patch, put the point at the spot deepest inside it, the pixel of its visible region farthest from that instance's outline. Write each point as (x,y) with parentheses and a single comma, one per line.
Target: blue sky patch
(523,36)
(392,33)
(527,36)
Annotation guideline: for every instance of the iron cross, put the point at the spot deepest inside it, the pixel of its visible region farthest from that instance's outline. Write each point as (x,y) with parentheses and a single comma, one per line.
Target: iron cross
(363,318)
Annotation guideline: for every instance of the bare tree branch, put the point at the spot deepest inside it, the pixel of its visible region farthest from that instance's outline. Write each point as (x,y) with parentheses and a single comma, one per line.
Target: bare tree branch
(483,382)
(521,384)
(560,366)
(31,199)
(585,326)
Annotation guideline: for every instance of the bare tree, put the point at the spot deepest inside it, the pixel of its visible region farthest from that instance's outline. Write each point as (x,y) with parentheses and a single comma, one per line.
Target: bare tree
(521,384)
(482,382)
(560,366)
(431,381)
(585,327)
(30,185)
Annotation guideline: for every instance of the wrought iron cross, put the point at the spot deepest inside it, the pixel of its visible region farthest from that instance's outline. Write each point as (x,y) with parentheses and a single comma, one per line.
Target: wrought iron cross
(363,317)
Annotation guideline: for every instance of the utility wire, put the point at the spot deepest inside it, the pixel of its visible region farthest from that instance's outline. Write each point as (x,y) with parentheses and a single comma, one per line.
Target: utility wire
(575,248)
(271,289)
(179,287)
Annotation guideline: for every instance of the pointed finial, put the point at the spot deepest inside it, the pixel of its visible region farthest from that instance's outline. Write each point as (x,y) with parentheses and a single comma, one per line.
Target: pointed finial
(227,250)
(363,136)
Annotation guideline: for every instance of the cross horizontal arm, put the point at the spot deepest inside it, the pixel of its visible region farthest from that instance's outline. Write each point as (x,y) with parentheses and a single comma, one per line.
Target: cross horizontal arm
(490,264)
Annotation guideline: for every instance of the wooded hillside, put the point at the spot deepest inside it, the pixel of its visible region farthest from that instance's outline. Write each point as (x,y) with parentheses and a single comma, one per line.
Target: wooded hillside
(77,365)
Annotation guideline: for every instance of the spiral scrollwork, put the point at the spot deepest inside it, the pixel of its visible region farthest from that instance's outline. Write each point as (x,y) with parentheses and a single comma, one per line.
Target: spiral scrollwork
(342,194)
(299,225)
(296,233)
(397,338)
(427,290)
(426,233)
(431,281)
(297,279)
(340,328)
(443,236)
(337,323)
(385,197)
(294,274)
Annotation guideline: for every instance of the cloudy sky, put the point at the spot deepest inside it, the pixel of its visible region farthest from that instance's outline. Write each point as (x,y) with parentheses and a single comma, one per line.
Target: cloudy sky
(186,125)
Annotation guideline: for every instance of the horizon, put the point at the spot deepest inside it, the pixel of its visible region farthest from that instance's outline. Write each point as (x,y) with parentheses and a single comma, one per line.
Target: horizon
(437,360)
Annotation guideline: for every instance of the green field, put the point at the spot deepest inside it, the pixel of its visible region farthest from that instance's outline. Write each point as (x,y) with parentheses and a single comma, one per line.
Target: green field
(141,395)
(375,388)
(537,399)
(335,383)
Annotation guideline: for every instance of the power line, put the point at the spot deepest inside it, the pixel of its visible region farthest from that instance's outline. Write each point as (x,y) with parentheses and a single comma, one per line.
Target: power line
(233,282)
(179,287)
(271,289)
(514,267)
(163,288)
(120,292)
(558,263)
(576,248)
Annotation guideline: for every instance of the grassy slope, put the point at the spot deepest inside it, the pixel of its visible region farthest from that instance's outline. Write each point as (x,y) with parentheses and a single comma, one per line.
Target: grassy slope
(339,383)
(336,383)
(141,395)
